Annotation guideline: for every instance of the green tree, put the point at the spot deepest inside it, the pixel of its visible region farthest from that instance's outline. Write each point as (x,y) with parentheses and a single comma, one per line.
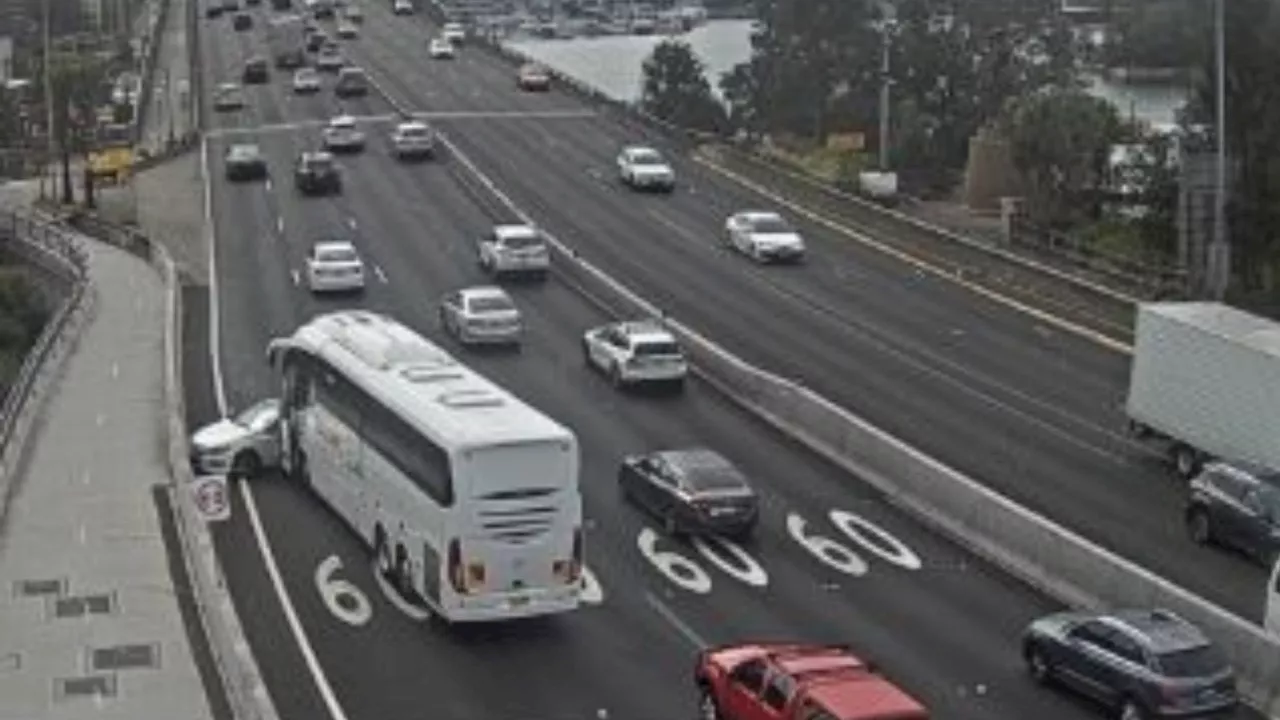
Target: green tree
(1061,141)
(1162,34)
(676,89)
(75,81)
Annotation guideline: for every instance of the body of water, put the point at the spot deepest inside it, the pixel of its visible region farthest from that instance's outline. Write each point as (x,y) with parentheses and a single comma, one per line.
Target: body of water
(612,64)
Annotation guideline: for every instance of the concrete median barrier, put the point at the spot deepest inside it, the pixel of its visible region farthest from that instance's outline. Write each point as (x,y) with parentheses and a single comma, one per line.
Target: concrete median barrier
(1029,546)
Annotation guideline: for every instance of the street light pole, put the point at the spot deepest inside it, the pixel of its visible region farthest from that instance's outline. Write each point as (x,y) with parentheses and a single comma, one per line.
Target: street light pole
(48,96)
(1220,247)
(887,13)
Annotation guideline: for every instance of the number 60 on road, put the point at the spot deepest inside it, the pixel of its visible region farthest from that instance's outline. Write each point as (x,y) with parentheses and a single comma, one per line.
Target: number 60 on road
(733,560)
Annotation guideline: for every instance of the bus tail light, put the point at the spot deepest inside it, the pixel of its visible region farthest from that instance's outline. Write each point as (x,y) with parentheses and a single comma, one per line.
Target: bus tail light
(570,571)
(456,577)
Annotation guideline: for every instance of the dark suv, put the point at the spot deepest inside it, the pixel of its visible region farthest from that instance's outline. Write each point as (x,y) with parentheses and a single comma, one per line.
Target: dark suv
(1143,663)
(1238,505)
(317,174)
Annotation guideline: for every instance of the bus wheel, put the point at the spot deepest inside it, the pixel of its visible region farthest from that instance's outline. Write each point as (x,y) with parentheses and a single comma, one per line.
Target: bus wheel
(403,578)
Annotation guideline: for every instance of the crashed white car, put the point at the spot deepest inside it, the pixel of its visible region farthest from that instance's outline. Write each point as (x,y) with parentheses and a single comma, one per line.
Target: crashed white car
(440,49)
(342,135)
(763,236)
(240,446)
(643,168)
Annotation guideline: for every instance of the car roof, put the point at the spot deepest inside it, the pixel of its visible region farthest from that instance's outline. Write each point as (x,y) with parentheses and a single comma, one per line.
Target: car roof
(244,149)
(695,458)
(342,120)
(640,149)
(1160,631)
(333,245)
(227,86)
(483,291)
(756,215)
(413,125)
(645,330)
(351,70)
(314,155)
(505,231)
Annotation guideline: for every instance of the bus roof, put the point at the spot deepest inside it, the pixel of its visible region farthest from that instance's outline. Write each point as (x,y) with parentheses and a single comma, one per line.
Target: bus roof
(449,402)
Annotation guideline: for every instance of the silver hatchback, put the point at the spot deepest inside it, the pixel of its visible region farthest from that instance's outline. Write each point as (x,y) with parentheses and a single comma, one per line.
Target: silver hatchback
(481,315)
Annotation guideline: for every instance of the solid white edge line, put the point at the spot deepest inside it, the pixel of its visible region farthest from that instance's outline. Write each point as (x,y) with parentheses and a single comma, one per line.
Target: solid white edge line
(290,614)
(210,234)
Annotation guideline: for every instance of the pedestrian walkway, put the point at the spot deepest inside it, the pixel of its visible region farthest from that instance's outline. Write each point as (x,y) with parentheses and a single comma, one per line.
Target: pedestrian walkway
(90,621)
(169,118)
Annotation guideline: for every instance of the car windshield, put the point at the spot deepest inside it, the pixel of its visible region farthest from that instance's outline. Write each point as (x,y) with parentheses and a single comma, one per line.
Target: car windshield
(646,157)
(252,416)
(490,303)
(307,74)
(653,348)
(522,241)
(1194,662)
(319,164)
(336,255)
(712,477)
(244,152)
(413,131)
(770,225)
(342,125)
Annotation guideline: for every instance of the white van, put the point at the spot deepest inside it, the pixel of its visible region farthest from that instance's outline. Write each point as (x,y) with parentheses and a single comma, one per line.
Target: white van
(1272,622)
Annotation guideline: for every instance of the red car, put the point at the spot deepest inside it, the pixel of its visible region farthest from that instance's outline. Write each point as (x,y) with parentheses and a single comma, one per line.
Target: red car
(779,681)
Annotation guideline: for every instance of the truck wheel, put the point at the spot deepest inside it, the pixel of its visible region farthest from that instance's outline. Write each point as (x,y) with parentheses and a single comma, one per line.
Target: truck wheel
(1186,461)
(707,707)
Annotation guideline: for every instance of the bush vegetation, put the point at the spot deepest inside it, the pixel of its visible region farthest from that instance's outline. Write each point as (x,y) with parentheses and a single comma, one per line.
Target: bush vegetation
(23,313)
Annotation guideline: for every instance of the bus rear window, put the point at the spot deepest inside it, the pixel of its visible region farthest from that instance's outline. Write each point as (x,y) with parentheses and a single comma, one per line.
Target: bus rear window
(522,471)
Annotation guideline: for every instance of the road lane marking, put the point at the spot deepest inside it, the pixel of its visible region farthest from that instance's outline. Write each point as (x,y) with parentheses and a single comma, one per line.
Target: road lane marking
(279,225)
(956,277)
(297,278)
(290,613)
(351,223)
(688,633)
(377,270)
(346,601)
(115,369)
(268,184)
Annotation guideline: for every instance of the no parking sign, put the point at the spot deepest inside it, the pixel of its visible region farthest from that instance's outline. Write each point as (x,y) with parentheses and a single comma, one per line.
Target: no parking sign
(211,497)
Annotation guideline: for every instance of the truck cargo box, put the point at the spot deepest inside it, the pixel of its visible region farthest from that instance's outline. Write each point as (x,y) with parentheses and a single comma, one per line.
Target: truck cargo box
(1207,376)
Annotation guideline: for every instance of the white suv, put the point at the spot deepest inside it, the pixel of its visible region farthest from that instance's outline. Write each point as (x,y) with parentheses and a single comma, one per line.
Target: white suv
(342,135)
(514,249)
(644,169)
(412,140)
(635,352)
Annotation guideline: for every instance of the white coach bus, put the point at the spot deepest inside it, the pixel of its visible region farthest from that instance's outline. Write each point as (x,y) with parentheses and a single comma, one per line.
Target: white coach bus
(467,496)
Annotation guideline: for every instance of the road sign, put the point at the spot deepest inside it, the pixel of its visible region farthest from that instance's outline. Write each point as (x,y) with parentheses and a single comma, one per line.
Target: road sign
(211,498)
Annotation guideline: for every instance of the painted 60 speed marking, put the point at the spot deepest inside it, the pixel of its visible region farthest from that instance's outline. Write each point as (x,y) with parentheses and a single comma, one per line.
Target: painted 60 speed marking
(733,560)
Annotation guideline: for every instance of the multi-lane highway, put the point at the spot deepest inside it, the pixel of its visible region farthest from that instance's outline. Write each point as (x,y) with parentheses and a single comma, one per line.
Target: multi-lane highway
(1032,410)
(998,393)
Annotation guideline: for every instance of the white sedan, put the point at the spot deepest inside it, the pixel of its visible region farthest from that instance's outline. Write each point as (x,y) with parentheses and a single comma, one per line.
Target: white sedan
(402,7)
(334,266)
(440,49)
(342,135)
(306,80)
(763,236)
(240,445)
(482,314)
(644,168)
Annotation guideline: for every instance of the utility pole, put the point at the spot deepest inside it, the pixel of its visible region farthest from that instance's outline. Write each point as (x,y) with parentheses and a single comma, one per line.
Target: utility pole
(888,14)
(1219,260)
(48,96)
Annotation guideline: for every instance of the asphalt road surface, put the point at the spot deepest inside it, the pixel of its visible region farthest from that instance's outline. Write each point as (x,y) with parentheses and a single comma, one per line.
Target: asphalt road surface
(940,622)
(1031,410)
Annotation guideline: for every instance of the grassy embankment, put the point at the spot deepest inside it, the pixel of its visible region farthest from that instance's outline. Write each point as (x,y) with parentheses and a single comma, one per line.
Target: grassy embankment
(23,313)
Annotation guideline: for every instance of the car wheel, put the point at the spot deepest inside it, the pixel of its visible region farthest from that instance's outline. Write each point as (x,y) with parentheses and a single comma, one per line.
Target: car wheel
(708,709)
(1037,666)
(1131,710)
(403,578)
(246,465)
(1198,527)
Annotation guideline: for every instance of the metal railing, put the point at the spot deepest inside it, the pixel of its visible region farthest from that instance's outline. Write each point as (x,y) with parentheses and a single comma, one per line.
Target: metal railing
(57,253)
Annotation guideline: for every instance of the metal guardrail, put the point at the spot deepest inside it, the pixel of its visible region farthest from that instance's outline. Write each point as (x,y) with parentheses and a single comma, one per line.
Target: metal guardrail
(246,691)
(55,251)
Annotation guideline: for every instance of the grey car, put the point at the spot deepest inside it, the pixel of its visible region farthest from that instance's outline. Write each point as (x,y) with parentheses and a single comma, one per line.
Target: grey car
(1142,663)
(695,491)
(1237,505)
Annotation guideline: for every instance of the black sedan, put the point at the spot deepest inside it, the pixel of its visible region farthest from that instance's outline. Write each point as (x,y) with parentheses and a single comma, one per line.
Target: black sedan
(694,491)
(317,174)
(255,71)
(242,22)
(245,162)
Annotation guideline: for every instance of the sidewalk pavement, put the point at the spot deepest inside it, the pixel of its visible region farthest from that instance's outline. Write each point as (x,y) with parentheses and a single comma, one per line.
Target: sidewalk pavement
(90,618)
(169,118)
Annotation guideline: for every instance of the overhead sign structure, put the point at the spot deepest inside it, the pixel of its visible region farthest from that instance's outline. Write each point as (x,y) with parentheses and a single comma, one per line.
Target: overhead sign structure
(212,499)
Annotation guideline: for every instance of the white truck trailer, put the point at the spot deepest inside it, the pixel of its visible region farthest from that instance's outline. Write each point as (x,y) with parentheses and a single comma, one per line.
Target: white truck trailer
(286,38)
(1205,381)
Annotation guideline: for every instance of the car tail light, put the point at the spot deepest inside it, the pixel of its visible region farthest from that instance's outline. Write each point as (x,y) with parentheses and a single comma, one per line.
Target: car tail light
(456,578)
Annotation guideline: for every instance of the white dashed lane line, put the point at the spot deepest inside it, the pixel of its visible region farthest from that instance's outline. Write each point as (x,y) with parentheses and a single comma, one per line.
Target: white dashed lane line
(280,226)
(297,277)
(382,276)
